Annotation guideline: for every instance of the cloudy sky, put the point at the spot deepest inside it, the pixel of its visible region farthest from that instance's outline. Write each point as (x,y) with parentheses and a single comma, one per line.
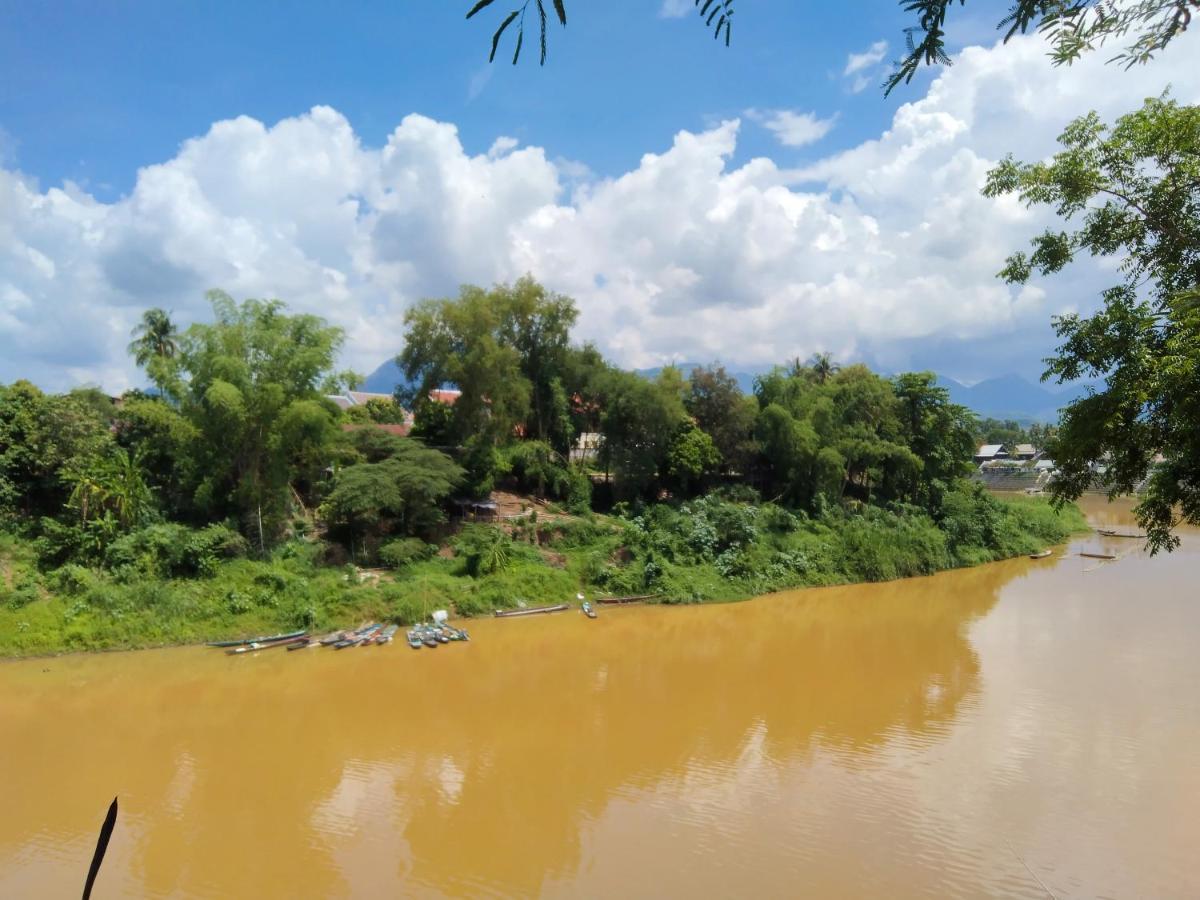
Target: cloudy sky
(749,204)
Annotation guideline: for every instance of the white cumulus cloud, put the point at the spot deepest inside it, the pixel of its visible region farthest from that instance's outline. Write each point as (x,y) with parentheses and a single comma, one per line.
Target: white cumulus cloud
(791,127)
(884,251)
(873,55)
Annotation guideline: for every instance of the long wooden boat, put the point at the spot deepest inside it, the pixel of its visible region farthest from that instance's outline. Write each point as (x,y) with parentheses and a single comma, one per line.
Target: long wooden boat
(267,645)
(531,611)
(1099,555)
(313,642)
(259,640)
(1119,534)
(386,636)
(588,610)
(355,638)
(637,598)
(1041,555)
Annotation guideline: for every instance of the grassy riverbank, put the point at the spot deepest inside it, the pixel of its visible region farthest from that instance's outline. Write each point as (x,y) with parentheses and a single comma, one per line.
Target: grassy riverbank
(711,549)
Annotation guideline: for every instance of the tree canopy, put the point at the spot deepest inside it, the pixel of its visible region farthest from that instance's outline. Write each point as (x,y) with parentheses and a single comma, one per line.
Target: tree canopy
(1132,190)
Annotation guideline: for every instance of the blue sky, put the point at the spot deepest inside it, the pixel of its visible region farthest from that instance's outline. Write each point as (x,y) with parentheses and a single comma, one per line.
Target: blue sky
(92,92)
(151,150)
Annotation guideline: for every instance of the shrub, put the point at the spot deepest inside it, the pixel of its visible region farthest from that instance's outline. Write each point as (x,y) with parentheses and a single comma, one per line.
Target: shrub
(484,550)
(404,552)
(174,551)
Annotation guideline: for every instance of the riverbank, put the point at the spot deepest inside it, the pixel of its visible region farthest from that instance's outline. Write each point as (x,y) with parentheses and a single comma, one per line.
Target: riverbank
(710,550)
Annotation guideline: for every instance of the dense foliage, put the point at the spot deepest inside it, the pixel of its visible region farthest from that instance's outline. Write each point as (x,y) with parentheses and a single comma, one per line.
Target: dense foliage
(1134,191)
(239,497)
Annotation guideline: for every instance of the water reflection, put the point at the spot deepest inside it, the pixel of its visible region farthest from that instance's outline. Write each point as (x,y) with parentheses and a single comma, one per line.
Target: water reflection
(859,738)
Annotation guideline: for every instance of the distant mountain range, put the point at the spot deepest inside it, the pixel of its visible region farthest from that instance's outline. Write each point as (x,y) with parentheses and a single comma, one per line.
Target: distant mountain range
(1014,397)
(1004,397)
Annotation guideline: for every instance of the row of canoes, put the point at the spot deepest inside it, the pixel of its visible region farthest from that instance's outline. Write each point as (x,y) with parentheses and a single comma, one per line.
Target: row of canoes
(432,635)
(372,633)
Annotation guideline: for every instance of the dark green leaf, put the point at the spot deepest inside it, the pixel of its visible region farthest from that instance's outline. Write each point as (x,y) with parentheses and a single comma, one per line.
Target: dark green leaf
(499,31)
(478,6)
(562,12)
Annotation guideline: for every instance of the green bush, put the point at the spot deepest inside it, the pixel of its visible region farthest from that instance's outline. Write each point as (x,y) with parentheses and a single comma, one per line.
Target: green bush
(484,550)
(404,552)
(174,551)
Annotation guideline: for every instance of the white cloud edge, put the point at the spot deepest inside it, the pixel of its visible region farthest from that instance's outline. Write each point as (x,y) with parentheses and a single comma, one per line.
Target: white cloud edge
(868,252)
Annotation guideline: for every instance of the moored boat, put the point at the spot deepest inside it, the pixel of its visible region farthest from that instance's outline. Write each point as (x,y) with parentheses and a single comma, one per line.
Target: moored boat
(269,639)
(1107,532)
(531,611)
(355,637)
(414,641)
(1099,555)
(1041,555)
(587,610)
(267,645)
(386,636)
(636,598)
(324,641)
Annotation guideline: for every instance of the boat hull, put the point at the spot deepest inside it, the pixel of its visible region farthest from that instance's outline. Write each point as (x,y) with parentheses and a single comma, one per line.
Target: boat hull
(535,611)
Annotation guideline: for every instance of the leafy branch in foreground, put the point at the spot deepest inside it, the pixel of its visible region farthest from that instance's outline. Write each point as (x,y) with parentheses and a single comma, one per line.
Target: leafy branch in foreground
(1135,189)
(717,15)
(1073,27)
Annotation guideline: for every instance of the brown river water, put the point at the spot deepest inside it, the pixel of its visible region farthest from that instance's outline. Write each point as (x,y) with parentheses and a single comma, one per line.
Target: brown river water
(1023,729)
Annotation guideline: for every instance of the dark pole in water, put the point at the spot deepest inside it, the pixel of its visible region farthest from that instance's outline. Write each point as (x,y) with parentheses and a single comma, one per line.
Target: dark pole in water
(106,830)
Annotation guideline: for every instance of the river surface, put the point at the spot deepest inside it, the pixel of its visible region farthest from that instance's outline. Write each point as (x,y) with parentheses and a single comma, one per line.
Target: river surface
(1015,730)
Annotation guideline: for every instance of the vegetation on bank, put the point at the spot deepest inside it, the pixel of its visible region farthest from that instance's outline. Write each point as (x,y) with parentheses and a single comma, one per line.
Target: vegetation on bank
(240,497)
(171,584)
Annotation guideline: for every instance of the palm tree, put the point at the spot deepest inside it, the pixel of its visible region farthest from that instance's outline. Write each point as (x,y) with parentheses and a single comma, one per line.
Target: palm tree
(115,486)
(823,367)
(154,336)
(154,341)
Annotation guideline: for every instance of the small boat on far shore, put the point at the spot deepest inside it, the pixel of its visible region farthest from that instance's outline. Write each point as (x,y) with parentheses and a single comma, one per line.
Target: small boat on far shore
(1099,555)
(637,598)
(587,610)
(255,646)
(1120,534)
(1041,555)
(269,639)
(531,611)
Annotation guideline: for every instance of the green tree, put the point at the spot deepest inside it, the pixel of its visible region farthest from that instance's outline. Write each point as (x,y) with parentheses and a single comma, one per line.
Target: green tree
(721,410)
(468,342)
(252,393)
(111,485)
(1134,189)
(691,457)
(40,436)
(400,493)
(823,367)
(165,443)
(640,420)
(939,433)
(540,467)
(155,343)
